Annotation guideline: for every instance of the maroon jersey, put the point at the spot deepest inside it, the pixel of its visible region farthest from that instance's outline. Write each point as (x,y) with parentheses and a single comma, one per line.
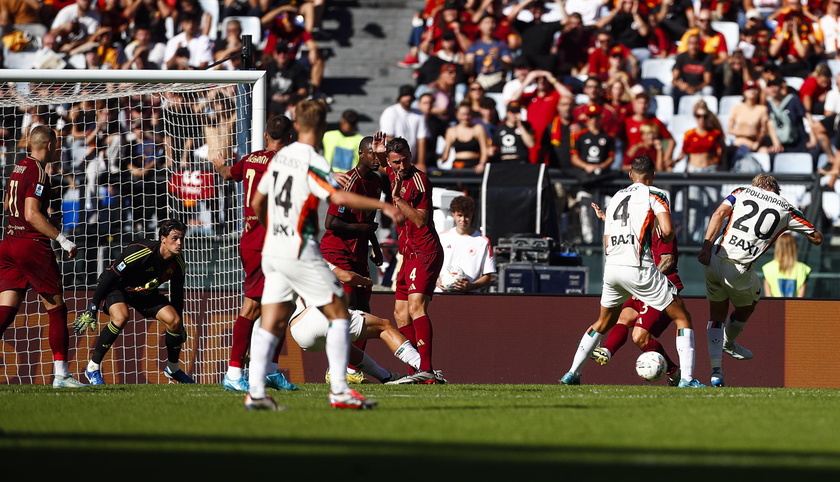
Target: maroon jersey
(658,248)
(250,170)
(417,191)
(28,179)
(343,242)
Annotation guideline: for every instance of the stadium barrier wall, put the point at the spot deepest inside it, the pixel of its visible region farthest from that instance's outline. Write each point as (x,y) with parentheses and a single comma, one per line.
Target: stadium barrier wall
(485,339)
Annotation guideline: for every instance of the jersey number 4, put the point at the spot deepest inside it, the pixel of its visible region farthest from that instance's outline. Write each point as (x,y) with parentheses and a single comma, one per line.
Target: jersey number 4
(284,196)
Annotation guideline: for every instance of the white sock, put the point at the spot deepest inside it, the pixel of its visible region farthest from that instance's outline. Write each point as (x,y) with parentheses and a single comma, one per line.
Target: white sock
(714,336)
(732,329)
(92,367)
(263,344)
(234,373)
(408,355)
(60,368)
(588,343)
(685,350)
(338,354)
(370,367)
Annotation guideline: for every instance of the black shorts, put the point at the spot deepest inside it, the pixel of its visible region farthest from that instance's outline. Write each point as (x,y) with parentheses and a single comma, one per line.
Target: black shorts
(147,305)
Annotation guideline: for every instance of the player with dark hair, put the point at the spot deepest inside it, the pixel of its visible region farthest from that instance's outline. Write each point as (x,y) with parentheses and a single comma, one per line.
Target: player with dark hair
(249,170)
(419,245)
(26,257)
(631,217)
(465,248)
(757,216)
(133,279)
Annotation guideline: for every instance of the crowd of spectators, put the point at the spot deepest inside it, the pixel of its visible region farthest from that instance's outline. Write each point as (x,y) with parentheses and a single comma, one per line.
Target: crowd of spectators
(700,86)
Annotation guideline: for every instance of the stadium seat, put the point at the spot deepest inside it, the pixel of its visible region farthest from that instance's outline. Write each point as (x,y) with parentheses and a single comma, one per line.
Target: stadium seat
(724,127)
(763,158)
(834,65)
(212,7)
(657,73)
(663,107)
(686,105)
(581,99)
(831,206)
(251,25)
(727,102)
(680,124)
(501,108)
(794,82)
(731,33)
(794,163)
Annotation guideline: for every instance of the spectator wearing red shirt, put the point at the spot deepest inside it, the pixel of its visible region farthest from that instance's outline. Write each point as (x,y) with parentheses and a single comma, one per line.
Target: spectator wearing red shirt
(814,89)
(541,104)
(608,117)
(573,46)
(793,43)
(632,127)
(281,27)
(650,145)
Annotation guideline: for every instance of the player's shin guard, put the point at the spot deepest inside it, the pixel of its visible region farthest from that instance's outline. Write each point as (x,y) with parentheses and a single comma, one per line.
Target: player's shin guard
(338,353)
(714,335)
(263,344)
(423,330)
(174,341)
(59,333)
(106,340)
(685,350)
(588,343)
(408,355)
(7,317)
(732,329)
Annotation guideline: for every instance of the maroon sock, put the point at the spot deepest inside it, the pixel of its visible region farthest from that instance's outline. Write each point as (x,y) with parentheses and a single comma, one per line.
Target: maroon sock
(616,338)
(654,345)
(7,317)
(241,340)
(423,330)
(59,333)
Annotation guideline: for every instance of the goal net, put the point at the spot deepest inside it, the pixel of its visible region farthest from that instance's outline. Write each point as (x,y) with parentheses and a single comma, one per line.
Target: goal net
(136,148)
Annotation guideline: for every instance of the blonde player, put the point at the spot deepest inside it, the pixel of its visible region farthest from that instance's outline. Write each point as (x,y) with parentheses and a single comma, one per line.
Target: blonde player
(630,270)
(757,216)
(286,203)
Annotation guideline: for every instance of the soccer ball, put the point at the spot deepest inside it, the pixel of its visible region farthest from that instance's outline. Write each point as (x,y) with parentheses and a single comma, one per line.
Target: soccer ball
(449,276)
(651,366)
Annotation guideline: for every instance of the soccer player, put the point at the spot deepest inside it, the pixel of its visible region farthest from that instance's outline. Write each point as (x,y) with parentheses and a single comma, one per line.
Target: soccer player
(309,329)
(349,231)
(631,217)
(464,247)
(249,171)
(26,257)
(133,279)
(286,203)
(640,319)
(757,216)
(419,245)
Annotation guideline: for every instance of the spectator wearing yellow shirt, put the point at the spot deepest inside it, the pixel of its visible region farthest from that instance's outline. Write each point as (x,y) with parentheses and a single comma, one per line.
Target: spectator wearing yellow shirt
(785,276)
(341,145)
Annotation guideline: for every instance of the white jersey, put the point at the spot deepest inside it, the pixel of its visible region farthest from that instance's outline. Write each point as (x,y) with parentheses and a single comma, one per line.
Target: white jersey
(630,219)
(294,181)
(758,217)
(472,253)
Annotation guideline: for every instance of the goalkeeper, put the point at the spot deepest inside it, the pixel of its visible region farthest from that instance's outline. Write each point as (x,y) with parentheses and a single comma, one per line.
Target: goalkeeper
(133,280)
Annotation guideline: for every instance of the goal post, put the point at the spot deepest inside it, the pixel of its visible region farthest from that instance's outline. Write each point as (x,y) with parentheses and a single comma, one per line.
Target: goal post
(136,147)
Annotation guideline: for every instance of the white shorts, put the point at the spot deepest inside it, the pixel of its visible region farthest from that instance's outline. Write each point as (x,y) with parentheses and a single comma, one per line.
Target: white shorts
(312,280)
(310,330)
(731,281)
(647,284)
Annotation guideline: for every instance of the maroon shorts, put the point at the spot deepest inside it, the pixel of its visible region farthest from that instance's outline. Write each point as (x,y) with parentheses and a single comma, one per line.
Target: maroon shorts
(418,274)
(28,263)
(254,278)
(652,320)
(348,262)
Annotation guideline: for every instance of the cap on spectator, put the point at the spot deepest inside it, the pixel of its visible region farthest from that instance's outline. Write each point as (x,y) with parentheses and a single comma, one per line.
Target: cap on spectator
(594,110)
(750,84)
(448,35)
(617,51)
(774,81)
(406,90)
(514,106)
(753,13)
(448,68)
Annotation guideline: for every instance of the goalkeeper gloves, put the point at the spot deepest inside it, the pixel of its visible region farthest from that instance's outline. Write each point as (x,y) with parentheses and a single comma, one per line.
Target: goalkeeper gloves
(86,320)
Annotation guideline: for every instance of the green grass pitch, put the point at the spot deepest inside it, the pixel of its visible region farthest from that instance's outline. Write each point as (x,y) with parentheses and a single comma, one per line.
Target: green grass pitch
(476,432)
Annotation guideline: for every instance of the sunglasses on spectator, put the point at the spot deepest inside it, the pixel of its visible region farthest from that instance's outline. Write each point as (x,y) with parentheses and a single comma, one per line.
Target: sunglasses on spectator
(701,116)
(476,88)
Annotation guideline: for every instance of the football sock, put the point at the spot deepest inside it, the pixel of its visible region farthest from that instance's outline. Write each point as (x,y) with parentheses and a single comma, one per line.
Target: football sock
(338,354)
(241,338)
(92,367)
(616,338)
(368,365)
(408,355)
(587,344)
(60,368)
(7,317)
(423,330)
(59,333)
(174,341)
(106,340)
(732,329)
(263,344)
(360,344)
(654,345)
(234,373)
(685,350)
(714,335)
(409,334)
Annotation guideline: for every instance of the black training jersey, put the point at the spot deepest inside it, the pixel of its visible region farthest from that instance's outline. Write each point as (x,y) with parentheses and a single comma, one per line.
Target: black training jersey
(140,269)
